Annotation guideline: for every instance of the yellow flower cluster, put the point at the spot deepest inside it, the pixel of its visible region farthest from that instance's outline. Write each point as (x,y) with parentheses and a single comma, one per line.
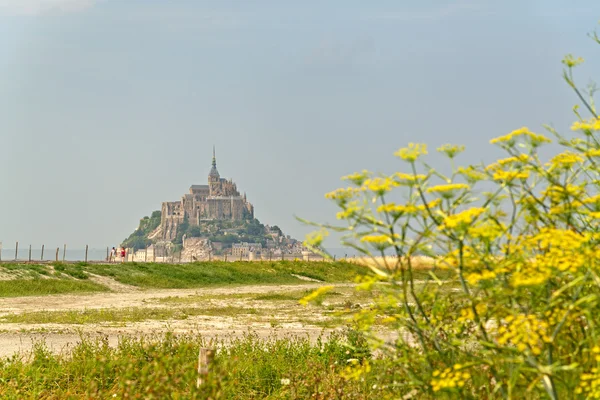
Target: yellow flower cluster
(350,210)
(449,378)
(475,277)
(524,332)
(471,174)
(564,161)
(358,177)
(534,138)
(315,239)
(486,231)
(379,185)
(589,384)
(342,194)
(379,239)
(315,295)
(509,176)
(398,209)
(571,61)
(451,150)
(558,194)
(589,125)
(467,314)
(592,153)
(408,179)
(412,152)
(449,190)
(555,250)
(462,219)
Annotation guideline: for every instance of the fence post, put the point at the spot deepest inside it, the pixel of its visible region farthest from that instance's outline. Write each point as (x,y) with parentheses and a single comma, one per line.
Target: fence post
(42,256)
(16,251)
(86,252)
(281,255)
(57,251)
(205,357)
(29,253)
(107,256)
(225,257)
(153,254)
(64,252)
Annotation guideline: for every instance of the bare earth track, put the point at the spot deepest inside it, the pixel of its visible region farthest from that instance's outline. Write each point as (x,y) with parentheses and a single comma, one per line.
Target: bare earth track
(275,318)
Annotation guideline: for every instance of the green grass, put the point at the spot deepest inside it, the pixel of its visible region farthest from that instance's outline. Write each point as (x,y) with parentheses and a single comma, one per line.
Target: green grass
(123,315)
(71,278)
(40,287)
(150,275)
(165,367)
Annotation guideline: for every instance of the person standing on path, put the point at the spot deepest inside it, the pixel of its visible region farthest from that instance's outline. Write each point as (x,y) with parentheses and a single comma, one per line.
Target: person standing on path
(123,253)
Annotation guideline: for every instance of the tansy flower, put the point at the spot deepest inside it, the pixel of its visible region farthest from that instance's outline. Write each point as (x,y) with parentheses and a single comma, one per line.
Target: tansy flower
(525,332)
(412,152)
(462,219)
(449,378)
(509,140)
(451,150)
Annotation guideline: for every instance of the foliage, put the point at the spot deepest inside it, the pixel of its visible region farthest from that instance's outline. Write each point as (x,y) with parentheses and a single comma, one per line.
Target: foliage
(40,287)
(139,238)
(165,367)
(222,273)
(520,235)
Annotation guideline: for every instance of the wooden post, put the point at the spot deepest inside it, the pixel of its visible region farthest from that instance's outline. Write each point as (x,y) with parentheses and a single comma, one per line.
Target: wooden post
(57,251)
(42,256)
(270,254)
(29,253)
(205,357)
(86,252)
(154,254)
(146,255)
(107,256)
(334,258)
(16,251)
(64,252)
(281,255)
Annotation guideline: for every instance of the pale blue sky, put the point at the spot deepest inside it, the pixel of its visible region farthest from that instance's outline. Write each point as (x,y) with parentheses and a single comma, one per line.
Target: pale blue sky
(109,107)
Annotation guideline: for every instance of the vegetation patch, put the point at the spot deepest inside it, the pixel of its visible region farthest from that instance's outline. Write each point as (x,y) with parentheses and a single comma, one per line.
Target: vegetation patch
(155,275)
(40,287)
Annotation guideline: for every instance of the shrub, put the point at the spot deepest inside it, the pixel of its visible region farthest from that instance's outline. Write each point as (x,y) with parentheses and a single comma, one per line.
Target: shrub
(520,236)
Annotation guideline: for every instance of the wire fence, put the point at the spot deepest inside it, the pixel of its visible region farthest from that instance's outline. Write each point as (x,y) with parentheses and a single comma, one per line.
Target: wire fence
(63,253)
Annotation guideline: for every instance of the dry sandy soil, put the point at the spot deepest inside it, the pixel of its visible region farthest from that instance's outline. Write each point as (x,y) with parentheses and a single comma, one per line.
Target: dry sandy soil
(276,317)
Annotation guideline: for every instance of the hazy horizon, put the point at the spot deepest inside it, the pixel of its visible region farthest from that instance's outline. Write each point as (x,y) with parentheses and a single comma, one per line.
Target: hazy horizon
(109,107)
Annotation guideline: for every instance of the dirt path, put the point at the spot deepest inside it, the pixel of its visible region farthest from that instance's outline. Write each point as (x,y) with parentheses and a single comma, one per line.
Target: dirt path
(136,298)
(18,337)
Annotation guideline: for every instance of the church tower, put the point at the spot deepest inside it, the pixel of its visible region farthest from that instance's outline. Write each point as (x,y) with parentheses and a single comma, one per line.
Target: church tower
(213,177)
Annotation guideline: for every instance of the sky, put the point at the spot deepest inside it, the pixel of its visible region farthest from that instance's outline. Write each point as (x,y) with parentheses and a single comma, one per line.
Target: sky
(110,107)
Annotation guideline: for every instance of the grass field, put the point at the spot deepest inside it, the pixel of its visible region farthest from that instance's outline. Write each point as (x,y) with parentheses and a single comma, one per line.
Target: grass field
(56,278)
(165,367)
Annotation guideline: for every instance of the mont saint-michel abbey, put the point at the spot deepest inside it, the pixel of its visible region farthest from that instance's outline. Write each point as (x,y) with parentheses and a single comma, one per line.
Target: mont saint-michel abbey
(219,199)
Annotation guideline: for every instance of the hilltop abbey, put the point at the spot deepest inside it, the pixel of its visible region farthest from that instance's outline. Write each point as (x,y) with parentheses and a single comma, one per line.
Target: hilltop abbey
(219,199)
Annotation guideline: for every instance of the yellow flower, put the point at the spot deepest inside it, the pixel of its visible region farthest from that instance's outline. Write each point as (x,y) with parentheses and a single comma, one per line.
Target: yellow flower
(534,139)
(351,209)
(357,178)
(571,61)
(451,150)
(462,219)
(412,152)
(379,239)
(408,179)
(564,160)
(449,378)
(343,194)
(471,174)
(586,125)
(379,185)
(397,209)
(449,190)
(509,176)
(525,332)
(315,239)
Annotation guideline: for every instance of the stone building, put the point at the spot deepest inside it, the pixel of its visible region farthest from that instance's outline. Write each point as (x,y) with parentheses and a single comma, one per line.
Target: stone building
(219,199)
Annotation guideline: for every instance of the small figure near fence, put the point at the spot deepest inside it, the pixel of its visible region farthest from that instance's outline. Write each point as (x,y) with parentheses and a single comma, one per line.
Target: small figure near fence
(123,253)
(113,255)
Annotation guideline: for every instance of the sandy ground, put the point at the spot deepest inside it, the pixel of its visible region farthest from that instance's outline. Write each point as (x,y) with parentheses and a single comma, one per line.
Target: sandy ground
(19,338)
